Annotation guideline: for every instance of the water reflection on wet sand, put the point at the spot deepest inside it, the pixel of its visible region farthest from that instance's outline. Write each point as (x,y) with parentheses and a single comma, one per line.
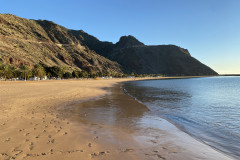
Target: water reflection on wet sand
(116,109)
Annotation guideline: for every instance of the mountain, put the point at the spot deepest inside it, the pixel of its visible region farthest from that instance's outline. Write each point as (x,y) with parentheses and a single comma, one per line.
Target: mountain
(28,42)
(24,41)
(136,57)
(128,41)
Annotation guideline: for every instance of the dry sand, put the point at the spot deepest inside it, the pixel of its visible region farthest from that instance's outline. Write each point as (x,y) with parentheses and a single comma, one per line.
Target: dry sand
(32,127)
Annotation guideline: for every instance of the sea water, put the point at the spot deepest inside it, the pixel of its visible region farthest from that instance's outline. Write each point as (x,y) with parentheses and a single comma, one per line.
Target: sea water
(206,108)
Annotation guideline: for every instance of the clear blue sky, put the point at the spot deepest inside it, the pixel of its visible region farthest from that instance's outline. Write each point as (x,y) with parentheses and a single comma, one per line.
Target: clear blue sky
(209,29)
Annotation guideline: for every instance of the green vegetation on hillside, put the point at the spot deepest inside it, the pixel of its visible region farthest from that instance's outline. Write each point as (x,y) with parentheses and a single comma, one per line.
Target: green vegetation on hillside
(41,70)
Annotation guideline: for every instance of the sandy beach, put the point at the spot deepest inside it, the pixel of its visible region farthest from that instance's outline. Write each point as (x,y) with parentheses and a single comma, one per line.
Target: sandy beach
(57,120)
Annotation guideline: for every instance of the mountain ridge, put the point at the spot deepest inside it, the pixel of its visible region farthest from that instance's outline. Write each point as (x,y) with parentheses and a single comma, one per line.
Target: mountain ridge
(24,41)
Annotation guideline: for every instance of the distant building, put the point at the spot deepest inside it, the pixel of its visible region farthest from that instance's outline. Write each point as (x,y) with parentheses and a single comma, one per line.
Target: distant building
(44,78)
(34,78)
(130,77)
(106,77)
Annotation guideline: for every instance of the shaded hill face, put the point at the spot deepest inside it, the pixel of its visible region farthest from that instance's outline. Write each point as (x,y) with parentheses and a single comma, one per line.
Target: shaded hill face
(24,41)
(136,57)
(164,59)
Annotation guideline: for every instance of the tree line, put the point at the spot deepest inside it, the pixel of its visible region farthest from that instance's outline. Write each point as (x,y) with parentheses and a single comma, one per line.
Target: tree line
(41,70)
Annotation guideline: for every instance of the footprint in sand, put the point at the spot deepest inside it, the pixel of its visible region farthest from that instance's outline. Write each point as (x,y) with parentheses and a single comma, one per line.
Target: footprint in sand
(98,154)
(51,151)
(72,151)
(31,146)
(27,134)
(8,139)
(158,155)
(31,155)
(164,148)
(17,151)
(127,150)
(161,157)
(89,145)
(5,155)
(153,141)
(51,141)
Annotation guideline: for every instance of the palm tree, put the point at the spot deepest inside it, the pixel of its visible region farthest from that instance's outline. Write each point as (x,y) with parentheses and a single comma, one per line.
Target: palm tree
(39,71)
(84,74)
(26,72)
(6,71)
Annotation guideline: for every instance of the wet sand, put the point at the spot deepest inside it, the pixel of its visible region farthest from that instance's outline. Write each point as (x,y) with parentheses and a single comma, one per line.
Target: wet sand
(57,120)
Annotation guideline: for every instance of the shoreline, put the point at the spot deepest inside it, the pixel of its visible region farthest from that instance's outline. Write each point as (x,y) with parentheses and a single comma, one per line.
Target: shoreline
(180,128)
(219,147)
(207,142)
(25,135)
(210,152)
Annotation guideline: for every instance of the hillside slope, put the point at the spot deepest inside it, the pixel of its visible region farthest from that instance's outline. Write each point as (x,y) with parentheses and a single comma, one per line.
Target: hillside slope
(24,41)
